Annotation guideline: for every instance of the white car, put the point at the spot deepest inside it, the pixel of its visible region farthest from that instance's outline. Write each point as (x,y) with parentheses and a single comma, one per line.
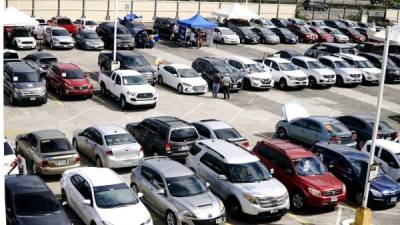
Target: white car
(22,39)
(58,37)
(387,156)
(318,74)
(285,73)
(9,157)
(183,78)
(85,24)
(254,73)
(345,73)
(225,35)
(370,73)
(99,196)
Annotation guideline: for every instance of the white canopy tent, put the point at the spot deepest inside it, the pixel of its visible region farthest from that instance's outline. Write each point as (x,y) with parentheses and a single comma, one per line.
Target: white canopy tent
(394,36)
(236,11)
(13,17)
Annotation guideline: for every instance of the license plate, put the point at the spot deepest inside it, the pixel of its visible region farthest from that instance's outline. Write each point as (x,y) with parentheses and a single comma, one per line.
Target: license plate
(388,138)
(32,98)
(393,199)
(184,148)
(274,210)
(62,162)
(334,199)
(218,221)
(127,162)
(234,85)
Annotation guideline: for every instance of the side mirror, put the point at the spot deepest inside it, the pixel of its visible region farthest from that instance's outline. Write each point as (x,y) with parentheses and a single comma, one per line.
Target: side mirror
(272,171)
(140,195)
(87,202)
(43,74)
(207,184)
(161,191)
(222,177)
(288,171)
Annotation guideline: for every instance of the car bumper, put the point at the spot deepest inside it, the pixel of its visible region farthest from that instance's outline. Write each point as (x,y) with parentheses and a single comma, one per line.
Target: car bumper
(195,89)
(326,81)
(125,45)
(56,170)
(30,99)
(251,41)
(78,93)
(26,46)
(297,83)
(134,101)
(98,47)
(272,41)
(383,201)
(232,42)
(322,201)
(257,210)
(261,84)
(372,78)
(112,162)
(66,46)
(190,221)
(351,80)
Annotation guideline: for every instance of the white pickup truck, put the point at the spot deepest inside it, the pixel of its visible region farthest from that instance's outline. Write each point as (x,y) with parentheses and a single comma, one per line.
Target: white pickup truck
(129,87)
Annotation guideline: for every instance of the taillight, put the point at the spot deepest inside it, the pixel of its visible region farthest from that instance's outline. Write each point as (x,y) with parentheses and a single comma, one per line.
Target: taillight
(335,139)
(44,163)
(109,152)
(141,151)
(245,144)
(167,147)
(77,159)
(354,136)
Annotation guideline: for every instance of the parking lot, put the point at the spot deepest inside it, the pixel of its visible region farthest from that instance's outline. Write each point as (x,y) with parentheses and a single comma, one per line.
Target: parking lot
(253,113)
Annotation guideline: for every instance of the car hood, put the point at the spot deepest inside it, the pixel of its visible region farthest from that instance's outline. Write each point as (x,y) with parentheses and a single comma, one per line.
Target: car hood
(50,219)
(263,75)
(202,205)
(194,81)
(124,215)
(385,184)
(349,70)
(63,38)
(295,73)
(293,110)
(144,88)
(141,69)
(268,188)
(76,82)
(323,182)
(93,41)
(371,70)
(341,36)
(230,36)
(324,71)
(124,37)
(25,39)
(27,85)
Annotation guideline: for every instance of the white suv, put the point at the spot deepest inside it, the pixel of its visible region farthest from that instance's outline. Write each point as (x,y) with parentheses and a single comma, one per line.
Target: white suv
(318,73)
(387,156)
(239,179)
(345,73)
(370,73)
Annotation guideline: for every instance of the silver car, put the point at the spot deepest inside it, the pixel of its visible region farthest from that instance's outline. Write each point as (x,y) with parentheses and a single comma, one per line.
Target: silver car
(176,193)
(109,145)
(239,179)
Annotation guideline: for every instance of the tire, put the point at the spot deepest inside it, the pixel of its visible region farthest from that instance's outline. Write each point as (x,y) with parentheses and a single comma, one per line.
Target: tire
(160,80)
(44,101)
(135,188)
(154,152)
(298,200)
(75,145)
(222,41)
(282,84)
(242,41)
(60,94)
(103,90)
(122,102)
(51,45)
(339,81)
(92,223)
(98,162)
(153,105)
(360,144)
(102,68)
(234,208)
(180,89)
(281,132)
(358,198)
(64,198)
(12,99)
(170,218)
(312,82)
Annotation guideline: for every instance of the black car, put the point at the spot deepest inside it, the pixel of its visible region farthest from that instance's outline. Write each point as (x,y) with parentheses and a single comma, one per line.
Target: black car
(246,35)
(282,23)
(363,125)
(288,54)
(88,39)
(266,35)
(164,25)
(335,24)
(164,135)
(41,60)
(321,49)
(124,38)
(30,202)
(392,71)
(209,66)
(285,35)
(315,5)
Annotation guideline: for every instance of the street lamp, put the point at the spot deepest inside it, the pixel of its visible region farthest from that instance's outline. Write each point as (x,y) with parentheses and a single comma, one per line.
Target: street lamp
(115,63)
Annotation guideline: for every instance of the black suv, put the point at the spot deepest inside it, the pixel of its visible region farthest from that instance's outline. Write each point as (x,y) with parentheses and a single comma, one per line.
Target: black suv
(321,49)
(124,39)
(335,24)
(164,135)
(164,26)
(246,35)
(41,60)
(392,71)
(209,66)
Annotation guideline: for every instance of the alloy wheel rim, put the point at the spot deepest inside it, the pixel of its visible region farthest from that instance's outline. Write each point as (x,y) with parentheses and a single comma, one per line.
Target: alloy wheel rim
(180,89)
(281,133)
(171,219)
(297,201)
(98,162)
(123,103)
(34,169)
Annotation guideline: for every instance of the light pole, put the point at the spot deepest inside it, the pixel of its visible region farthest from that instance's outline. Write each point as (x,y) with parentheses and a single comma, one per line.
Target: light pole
(115,64)
(277,9)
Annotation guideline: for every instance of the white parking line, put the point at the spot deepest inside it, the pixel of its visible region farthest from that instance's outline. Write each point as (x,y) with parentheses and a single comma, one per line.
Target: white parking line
(251,100)
(236,115)
(192,110)
(76,116)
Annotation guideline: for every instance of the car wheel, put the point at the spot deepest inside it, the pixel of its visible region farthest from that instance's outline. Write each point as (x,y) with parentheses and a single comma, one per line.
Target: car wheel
(360,144)
(51,45)
(242,41)
(233,208)
(60,94)
(75,145)
(103,90)
(312,82)
(171,218)
(339,81)
(135,188)
(122,102)
(98,162)
(359,197)
(282,133)
(44,100)
(64,199)
(153,105)
(298,200)
(282,84)
(222,41)
(180,89)
(12,99)
(160,80)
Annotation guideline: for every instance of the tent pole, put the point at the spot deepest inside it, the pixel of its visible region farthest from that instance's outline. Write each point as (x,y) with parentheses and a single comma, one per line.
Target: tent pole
(198,8)
(155,9)
(131,6)
(58,7)
(33,8)
(259,7)
(177,10)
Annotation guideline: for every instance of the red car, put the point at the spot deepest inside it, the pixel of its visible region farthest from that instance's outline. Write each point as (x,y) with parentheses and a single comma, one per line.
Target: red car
(304,175)
(323,36)
(68,79)
(62,21)
(353,34)
(304,33)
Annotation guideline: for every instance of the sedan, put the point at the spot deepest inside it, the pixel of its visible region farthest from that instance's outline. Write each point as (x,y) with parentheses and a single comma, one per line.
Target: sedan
(41,60)
(353,34)
(99,196)
(287,54)
(109,145)
(323,36)
(285,35)
(47,151)
(297,124)
(246,35)
(304,33)
(182,78)
(88,39)
(266,35)
(337,34)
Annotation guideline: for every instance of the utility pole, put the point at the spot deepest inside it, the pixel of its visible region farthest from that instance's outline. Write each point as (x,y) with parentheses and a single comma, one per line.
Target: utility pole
(277,9)
(108,10)
(83,8)
(155,9)
(58,7)
(33,8)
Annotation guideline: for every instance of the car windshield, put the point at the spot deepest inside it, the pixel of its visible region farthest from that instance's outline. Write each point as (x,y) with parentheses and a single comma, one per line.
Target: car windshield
(90,23)
(135,61)
(336,31)
(248,172)
(354,31)
(183,134)
(26,204)
(334,128)
(227,133)
(319,23)
(364,64)
(315,65)
(320,31)
(189,72)
(266,31)
(73,74)
(121,30)
(360,168)
(286,31)
(55,145)
(26,77)
(41,21)
(287,66)
(254,68)
(58,33)
(10,55)
(133,80)
(48,61)
(305,30)
(91,36)
(223,68)
(382,125)
(390,63)
(300,22)
(22,33)
(64,21)
(8,149)
(227,31)
(341,64)
(116,195)
(185,186)
(119,139)
(247,31)
(309,166)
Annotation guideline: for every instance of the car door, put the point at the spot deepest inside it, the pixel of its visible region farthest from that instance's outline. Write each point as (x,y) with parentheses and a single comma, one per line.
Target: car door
(166,75)
(10,216)
(94,143)
(7,81)
(275,71)
(78,39)
(152,140)
(173,77)
(116,86)
(150,185)
(82,191)
(82,140)
(209,169)
(389,164)
(314,132)
(30,148)
(297,129)
(217,34)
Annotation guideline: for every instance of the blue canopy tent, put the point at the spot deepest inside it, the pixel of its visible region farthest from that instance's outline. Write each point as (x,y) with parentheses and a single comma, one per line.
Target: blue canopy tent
(196,22)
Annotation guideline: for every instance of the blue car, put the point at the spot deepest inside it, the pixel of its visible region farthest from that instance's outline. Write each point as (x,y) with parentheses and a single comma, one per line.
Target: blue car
(350,166)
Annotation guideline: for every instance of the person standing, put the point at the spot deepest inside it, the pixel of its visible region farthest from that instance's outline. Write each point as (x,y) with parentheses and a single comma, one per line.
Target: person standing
(19,163)
(216,84)
(199,38)
(226,84)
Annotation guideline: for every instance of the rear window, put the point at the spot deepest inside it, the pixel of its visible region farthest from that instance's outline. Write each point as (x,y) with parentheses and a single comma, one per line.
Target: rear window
(90,23)
(48,61)
(64,21)
(41,21)
(8,149)
(119,139)
(334,128)
(55,145)
(27,204)
(185,134)
(228,133)
(10,55)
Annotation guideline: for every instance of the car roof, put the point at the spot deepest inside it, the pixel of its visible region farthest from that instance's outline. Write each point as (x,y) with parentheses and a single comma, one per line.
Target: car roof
(212,59)
(293,151)
(179,66)
(87,31)
(20,67)
(215,124)
(243,59)
(351,56)
(371,55)
(109,129)
(67,66)
(57,28)
(388,145)
(305,58)
(231,153)
(26,184)
(167,167)
(42,55)
(99,176)
(48,134)
(337,45)
(323,119)
(346,151)
(128,53)
(278,60)
(332,58)
(170,121)
(128,72)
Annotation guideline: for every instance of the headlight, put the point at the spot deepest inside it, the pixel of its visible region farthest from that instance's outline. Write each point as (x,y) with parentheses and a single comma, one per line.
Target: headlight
(343,188)
(186,84)
(107,223)
(149,221)
(314,192)
(68,86)
(250,198)
(19,41)
(55,40)
(131,93)
(376,193)
(292,77)
(221,206)
(256,79)
(186,213)
(18,91)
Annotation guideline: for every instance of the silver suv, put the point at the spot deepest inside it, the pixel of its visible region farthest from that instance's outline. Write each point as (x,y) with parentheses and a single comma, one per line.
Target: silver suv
(176,193)
(239,179)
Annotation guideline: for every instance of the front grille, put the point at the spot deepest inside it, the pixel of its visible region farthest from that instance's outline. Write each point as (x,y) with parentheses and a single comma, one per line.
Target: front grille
(329,76)
(267,202)
(81,88)
(332,192)
(27,42)
(355,75)
(199,88)
(145,95)
(29,92)
(205,222)
(346,140)
(265,81)
(299,78)
(65,43)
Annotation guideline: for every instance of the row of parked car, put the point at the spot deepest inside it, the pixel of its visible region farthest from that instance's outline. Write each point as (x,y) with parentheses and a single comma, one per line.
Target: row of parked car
(219,169)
